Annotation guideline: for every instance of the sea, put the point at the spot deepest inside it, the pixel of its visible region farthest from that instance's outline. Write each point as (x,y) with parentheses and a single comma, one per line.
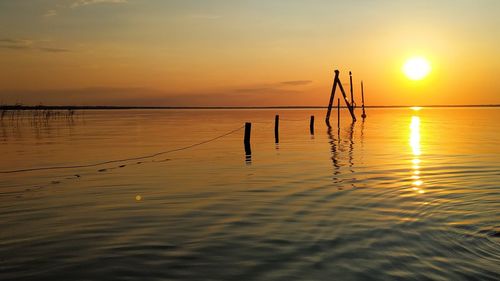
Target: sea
(174,194)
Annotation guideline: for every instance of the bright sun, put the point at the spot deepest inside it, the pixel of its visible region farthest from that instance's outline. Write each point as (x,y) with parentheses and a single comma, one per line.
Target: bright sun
(416,68)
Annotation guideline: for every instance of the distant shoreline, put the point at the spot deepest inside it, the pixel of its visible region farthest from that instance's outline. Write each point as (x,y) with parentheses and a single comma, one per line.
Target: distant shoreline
(97,107)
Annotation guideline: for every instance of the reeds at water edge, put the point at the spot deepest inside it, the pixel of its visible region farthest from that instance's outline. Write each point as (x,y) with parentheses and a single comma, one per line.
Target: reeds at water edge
(36,115)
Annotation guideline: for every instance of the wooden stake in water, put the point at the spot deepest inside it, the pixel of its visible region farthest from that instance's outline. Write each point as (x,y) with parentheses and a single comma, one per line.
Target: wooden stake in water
(246,140)
(336,82)
(349,106)
(352,92)
(311,125)
(332,95)
(276,128)
(363,101)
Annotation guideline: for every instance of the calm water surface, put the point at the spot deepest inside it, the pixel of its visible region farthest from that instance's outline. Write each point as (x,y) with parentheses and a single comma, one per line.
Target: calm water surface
(405,195)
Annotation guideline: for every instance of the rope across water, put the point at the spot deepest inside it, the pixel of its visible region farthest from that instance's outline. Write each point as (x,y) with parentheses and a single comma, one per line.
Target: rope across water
(121,160)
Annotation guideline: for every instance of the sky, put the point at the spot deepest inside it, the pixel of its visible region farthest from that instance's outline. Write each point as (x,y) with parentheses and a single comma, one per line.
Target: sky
(246,53)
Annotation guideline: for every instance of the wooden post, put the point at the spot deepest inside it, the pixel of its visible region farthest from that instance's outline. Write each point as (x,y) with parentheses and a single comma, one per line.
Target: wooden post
(352,93)
(332,95)
(349,106)
(246,141)
(311,125)
(276,128)
(248,130)
(363,101)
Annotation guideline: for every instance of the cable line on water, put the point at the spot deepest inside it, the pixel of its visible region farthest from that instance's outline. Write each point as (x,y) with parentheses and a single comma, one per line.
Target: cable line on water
(121,160)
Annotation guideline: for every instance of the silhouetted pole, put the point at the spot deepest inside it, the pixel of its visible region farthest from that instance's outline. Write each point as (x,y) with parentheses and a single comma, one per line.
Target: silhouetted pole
(338,113)
(363,101)
(334,87)
(276,128)
(352,92)
(248,130)
(349,106)
(246,141)
(311,125)
(332,95)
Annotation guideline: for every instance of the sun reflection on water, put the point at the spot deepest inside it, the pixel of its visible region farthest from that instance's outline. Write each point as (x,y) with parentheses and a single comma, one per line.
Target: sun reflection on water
(415,138)
(417,182)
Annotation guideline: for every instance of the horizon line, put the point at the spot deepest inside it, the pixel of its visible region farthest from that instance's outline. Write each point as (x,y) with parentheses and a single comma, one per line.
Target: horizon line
(91,107)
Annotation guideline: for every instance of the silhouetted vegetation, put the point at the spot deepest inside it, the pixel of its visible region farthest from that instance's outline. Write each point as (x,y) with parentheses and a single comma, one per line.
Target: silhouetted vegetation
(36,114)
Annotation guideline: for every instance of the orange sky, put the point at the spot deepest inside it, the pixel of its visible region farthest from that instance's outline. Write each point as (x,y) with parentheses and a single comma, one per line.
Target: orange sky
(245,53)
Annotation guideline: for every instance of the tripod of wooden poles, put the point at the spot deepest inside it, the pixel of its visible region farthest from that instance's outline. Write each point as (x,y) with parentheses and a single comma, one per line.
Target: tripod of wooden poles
(349,104)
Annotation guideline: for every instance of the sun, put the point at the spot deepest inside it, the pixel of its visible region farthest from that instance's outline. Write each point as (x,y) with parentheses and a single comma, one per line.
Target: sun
(416,68)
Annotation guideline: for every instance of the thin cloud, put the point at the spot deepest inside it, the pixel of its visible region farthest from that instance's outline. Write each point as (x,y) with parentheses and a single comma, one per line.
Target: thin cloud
(263,91)
(297,82)
(16,44)
(254,89)
(15,47)
(78,4)
(53,50)
(14,41)
(81,3)
(28,45)
(278,87)
(50,13)
(143,96)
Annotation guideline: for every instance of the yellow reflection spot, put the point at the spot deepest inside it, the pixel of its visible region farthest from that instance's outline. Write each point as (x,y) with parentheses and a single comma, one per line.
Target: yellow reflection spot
(138,198)
(415,147)
(415,135)
(408,219)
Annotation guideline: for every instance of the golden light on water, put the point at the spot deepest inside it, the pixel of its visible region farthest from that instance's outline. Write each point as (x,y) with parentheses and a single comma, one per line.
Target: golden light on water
(417,68)
(415,137)
(417,182)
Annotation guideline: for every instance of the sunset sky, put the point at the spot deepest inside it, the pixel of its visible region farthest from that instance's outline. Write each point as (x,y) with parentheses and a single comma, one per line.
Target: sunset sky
(246,53)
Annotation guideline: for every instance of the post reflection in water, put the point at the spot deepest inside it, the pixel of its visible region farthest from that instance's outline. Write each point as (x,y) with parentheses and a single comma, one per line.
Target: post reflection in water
(362,140)
(248,153)
(342,151)
(334,151)
(351,153)
(417,181)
